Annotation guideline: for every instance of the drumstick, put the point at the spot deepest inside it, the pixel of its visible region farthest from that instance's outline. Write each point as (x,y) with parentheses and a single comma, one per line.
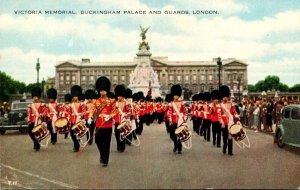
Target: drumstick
(85,144)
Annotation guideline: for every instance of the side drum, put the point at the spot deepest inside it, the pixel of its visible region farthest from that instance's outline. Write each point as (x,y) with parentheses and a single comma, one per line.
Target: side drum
(62,125)
(183,133)
(237,132)
(80,129)
(40,131)
(125,128)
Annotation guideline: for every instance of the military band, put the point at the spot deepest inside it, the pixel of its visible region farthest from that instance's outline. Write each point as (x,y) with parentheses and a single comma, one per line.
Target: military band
(102,113)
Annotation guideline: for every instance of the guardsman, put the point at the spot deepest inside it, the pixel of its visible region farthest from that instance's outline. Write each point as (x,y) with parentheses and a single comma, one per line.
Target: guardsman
(216,118)
(206,116)
(121,116)
(159,110)
(140,108)
(200,114)
(130,113)
(52,113)
(65,111)
(228,114)
(76,114)
(177,115)
(90,97)
(105,109)
(35,115)
(168,100)
(193,111)
(149,108)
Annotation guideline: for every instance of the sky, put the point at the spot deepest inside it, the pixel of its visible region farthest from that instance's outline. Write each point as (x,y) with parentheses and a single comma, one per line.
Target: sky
(263,34)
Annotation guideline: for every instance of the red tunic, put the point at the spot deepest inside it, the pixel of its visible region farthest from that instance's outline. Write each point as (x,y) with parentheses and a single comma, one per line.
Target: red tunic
(122,110)
(36,111)
(79,108)
(173,116)
(206,111)
(216,113)
(231,109)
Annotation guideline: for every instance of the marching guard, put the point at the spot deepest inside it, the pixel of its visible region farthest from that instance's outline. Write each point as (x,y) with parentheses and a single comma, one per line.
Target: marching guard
(206,116)
(131,113)
(216,118)
(105,109)
(166,106)
(52,113)
(90,96)
(76,114)
(35,115)
(120,116)
(159,110)
(228,112)
(65,112)
(177,115)
(140,110)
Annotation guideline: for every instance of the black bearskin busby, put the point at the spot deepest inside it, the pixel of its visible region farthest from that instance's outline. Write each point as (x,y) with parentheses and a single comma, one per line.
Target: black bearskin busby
(169,98)
(120,90)
(206,96)
(103,83)
(215,94)
(148,98)
(176,90)
(76,91)
(141,95)
(135,97)
(90,94)
(81,97)
(52,93)
(201,96)
(224,91)
(36,91)
(194,97)
(128,93)
(111,95)
(68,98)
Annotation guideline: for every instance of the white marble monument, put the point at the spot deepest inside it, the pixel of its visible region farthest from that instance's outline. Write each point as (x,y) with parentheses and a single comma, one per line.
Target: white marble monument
(144,74)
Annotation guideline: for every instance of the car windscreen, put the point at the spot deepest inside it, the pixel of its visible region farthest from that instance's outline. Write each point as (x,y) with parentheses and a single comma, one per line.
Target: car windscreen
(20,105)
(295,114)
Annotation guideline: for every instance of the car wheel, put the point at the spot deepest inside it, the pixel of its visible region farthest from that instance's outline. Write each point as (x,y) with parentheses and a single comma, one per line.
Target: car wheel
(2,131)
(23,130)
(279,139)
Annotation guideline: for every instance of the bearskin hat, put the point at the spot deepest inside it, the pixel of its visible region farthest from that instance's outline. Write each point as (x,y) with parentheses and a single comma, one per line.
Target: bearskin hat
(111,95)
(89,94)
(194,97)
(215,94)
(81,97)
(140,95)
(176,90)
(68,98)
(169,98)
(135,97)
(201,96)
(158,99)
(148,98)
(52,93)
(120,90)
(36,91)
(103,83)
(76,91)
(224,91)
(128,93)
(206,96)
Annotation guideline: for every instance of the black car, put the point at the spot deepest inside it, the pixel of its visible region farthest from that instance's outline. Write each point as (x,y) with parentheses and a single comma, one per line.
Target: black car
(16,119)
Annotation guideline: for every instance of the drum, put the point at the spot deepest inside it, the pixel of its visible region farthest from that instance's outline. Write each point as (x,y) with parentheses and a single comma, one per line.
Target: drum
(125,128)
(183,133)
(80,129)
(40,131)
(237,132)
(61,125)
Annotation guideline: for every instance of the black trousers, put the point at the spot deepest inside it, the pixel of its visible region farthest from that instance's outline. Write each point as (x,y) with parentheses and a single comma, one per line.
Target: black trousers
(53,135)
(75,140)
(36,143)
(226,141)
(206,129)
(216,133)
(198,127)
(102,139)
(160,117)
(177,142)
(91,132)
(120,144)
(140,126)
(167,123)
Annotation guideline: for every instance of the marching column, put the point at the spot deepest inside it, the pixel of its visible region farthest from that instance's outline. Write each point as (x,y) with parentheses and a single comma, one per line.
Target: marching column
(216,118)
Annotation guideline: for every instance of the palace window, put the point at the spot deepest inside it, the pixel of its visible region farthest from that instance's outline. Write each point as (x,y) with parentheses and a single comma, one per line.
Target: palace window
(73,78)
(202,77)
(123,78)
(67,77)
(210,77)
(194,77)
(91,78)
(61,77)
(187,77)
(115,78)
(171,77)
(83,78)
(179,78)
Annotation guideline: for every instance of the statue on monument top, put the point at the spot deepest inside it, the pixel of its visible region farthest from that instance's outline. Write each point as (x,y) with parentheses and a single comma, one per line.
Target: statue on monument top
(144,44)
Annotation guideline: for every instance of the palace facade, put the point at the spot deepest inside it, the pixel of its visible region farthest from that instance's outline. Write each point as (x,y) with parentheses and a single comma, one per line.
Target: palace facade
(196,76)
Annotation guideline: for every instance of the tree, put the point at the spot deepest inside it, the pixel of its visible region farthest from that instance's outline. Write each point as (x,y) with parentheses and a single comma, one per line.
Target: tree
(295,88)
(269,84)
(251,88)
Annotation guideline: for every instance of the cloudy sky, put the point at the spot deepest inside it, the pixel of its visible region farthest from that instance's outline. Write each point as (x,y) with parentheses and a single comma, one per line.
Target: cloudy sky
(264,34)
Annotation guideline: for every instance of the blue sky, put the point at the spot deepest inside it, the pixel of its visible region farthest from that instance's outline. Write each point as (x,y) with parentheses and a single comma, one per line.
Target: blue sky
(264,34)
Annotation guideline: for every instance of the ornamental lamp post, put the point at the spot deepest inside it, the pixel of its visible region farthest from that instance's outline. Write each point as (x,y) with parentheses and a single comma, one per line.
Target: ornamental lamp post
(37,67)
(219,62)
(239,92)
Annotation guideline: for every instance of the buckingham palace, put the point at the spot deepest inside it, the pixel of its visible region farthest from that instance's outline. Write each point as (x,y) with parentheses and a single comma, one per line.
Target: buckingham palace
(197,76)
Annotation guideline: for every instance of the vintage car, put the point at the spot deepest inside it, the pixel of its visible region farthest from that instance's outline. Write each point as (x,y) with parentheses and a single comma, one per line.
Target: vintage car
(16,119)
(288,130)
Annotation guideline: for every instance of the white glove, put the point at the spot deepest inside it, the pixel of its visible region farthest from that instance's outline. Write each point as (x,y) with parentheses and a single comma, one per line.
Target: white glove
(89,121)
(106,118)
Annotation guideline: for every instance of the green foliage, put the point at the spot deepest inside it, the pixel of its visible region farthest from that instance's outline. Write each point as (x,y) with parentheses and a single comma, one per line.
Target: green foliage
(295,88)
(9,86)
(251,88)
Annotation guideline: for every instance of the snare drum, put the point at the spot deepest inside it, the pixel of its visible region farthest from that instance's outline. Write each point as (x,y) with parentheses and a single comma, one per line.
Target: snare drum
(183,133)
(79,129)
(40,131)
(125,128)
(61,125)
(237,132)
